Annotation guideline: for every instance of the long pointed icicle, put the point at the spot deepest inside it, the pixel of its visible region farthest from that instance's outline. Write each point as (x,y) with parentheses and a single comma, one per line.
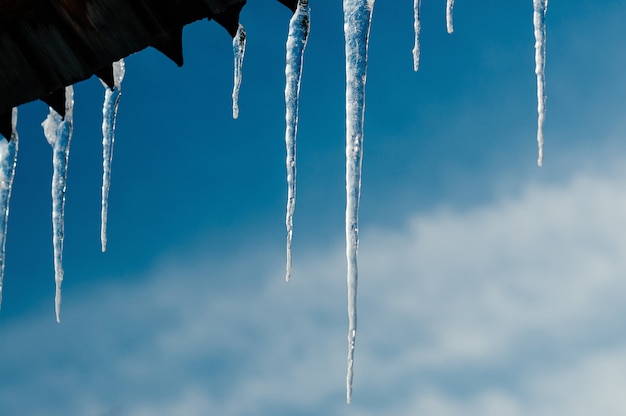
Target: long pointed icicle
(239,50)
(417,27)
(109,118)
(449,24)
(296,43)
(58,132)
(539,20)
(356,25)
(8,161)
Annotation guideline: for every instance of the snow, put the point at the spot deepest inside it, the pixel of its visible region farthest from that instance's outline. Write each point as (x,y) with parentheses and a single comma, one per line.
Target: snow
(539,20)
(239,50)
(58,132)
(417,26)
(109,117)
(299,26)
(8,161)
(449,7)
(356,25)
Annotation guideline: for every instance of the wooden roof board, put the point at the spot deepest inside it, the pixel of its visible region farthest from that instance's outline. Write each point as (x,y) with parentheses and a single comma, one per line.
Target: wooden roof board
(46,45)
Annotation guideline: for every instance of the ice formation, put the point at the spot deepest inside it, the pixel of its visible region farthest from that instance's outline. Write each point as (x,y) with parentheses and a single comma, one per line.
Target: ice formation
(357,22)
(539,20)
(449,7)
(8,160)
(356,26)
(299,26)
(417,26)
(58,132)
(239,50)
(109,117)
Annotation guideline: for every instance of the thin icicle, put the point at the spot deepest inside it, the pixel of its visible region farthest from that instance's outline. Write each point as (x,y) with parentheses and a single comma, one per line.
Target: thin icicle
(539,21)
(356,25)
(8,161)
(58,132)
(109,117)
(296,43)
(449,7)
(417,26)
(239,50)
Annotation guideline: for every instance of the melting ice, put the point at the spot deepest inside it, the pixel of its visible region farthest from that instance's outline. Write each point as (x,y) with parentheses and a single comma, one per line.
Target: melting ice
(417,27)
(449,7)
(539,20)
(299,26)
(8,161)
(58,132)
(356,26)
(239,50)
(357,22)
(109,117)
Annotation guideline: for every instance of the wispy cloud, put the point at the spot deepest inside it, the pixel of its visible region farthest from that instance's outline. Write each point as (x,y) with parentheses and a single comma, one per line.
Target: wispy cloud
(510,308)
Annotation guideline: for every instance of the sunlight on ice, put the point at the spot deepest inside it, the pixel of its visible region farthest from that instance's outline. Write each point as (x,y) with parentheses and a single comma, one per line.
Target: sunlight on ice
(449,7)
(417,27)
(356,25)
(239,50)
(109,117)
(58,132)
(299,27)
(8,161)
(539,20)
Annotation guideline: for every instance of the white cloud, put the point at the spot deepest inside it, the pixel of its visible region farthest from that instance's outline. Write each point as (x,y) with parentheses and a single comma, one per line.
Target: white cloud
(512,308)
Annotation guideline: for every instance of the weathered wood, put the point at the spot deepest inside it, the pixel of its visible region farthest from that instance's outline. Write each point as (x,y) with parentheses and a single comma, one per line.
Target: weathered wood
(56,100)
(46,45)
(6,123)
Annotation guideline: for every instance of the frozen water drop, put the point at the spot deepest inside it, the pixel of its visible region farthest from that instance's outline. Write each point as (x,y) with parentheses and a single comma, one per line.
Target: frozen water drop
(417,27)
(239,50)
(449,9)
(539,20)
(58,132)
(356,26)
(109,118)
(8,162)
(296,43)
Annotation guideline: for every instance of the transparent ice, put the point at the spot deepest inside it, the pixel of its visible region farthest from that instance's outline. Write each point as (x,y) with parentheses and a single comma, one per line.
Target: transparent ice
(239,50)
(539,20)
(417,27)
(356,25)
(299,26)
(58,132)
(109,117)
(8,161)
(449,23)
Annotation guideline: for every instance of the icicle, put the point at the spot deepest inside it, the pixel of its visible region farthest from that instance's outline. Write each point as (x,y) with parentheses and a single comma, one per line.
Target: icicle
(239,50)
(296,43)
(8,161)
(356,26)
(58,132)
(417,26)
(109,117)
(539,20)
(449,7)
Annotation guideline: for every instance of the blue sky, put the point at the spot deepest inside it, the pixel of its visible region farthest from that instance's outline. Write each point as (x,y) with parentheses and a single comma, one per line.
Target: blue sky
(487,285)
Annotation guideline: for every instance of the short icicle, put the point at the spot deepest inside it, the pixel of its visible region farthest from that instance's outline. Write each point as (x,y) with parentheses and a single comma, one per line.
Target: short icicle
(239,50)
(539,20)
(58,132)
(449,24)
(417,27)
(296,43)
(356,25)
(109,117)
(8,161)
